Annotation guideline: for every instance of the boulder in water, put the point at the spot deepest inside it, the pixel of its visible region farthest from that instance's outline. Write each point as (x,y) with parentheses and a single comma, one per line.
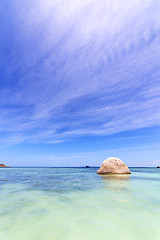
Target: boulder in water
(113,165)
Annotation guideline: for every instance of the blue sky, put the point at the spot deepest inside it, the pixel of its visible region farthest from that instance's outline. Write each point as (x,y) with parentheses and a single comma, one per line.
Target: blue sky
(79,82)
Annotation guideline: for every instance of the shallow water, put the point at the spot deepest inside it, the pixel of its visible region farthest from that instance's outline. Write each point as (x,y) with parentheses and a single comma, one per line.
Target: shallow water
(76,203)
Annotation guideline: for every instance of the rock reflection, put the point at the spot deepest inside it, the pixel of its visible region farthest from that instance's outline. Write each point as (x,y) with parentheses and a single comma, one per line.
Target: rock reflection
(116,183)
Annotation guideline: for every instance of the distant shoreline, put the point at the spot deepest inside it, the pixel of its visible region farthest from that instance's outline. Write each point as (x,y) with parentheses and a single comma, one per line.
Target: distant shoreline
(62,167)
(4,166)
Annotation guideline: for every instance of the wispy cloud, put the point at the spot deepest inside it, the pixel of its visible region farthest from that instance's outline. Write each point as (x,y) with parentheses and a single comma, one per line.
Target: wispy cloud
(76,68)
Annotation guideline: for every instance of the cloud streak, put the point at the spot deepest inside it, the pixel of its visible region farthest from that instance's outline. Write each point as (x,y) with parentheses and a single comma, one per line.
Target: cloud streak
(73,68)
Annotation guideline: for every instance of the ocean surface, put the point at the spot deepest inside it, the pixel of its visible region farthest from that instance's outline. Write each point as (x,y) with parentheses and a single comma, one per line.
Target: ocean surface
(78,204)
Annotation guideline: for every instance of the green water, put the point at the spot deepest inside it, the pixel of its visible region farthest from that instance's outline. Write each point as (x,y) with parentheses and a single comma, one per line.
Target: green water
(76,204)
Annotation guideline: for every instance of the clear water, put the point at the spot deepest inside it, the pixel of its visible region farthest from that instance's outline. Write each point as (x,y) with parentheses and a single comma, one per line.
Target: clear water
(76,203)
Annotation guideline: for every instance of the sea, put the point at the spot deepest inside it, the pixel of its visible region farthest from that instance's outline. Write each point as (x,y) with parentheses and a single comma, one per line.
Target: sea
(77,204)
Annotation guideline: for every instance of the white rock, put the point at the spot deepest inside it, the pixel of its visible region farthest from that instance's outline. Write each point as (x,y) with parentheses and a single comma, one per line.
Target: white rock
(113,165)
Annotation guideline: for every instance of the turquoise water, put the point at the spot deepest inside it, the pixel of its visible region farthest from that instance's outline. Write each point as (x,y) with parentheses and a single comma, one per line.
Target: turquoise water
(76,203)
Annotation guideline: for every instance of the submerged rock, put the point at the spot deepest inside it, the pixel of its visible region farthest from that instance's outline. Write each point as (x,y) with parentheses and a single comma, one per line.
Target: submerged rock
(113,165)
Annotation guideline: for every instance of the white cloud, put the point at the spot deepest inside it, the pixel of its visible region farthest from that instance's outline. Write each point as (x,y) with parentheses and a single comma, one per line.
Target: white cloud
(75,68)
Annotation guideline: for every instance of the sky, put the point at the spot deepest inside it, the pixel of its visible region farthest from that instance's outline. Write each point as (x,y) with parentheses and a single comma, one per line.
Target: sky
(79,82)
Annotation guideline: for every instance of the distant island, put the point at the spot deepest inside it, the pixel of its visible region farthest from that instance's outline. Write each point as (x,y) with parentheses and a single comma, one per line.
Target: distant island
(3,165)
